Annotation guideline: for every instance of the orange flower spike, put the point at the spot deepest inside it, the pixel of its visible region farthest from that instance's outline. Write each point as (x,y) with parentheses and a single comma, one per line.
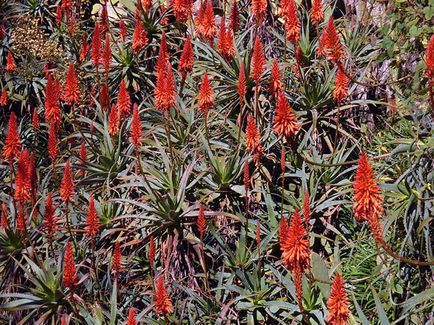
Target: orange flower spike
(333,45)
(163,57)
(241,87)
(92,221)
(206,95)
(199,27)
(84,47)
(70,277)
(35,119)
(50,220)
(10,63)
(59,15)
(430,60)
(322,43)
(187,57)
(72,88)
(316,12)
(253,139)
(67,185)
(53,148)
(104,97)
(116,259)
(234,17)
(208,22)
(182,9)
(292,23)
(107,54)
(131,317)
(284,122)
(151,253)
(140,38)
(4,97)
(23,184)
(170,87)
(368,202)
(124,101)
(275,78)
(163,305)
(259,9)
(136,129)
(52,106)
(96,45)
(338,303)
(306,208)
(221,43)
(114,121)
(201,222)
(229,43)
(13,141)
(340,92)
(258,60)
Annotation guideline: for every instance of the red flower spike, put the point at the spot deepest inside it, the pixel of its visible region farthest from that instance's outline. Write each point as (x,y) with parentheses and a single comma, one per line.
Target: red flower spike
(163,58)
(140,38)
(259,9)
(182,9)
(241,87)
(340,92)
(165,90)
(206,95)
(116,259)
(316,12)
(234,17)
(253,139)
(96,45)
(4,223)
(104,97)
(53,148)
(131,317)
(4,97)
(70,278)
(333,45)
(294,244)
(275,78)
(10,63)
(50,220)
(114,121)
(163,305)
(12,142)
(59,15)
(284,122)
(430,60)
(200,30)
(187,57)
(104,18)
(35,119)
(292,23)
(92,221)
(201,222)
(338,303)
(306,208)
(124,101)
(72,89)
(258,60)
(136,129)
(221,46)
(322,43)
(107,54)
(23,184)
(52,106)
(146,5)
(122,30)
(67,185)
(21,220)
(208,22)
(84,47)
(151,253)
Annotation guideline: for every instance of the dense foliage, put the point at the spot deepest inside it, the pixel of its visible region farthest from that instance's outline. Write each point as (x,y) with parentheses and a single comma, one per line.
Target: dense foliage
(216,162)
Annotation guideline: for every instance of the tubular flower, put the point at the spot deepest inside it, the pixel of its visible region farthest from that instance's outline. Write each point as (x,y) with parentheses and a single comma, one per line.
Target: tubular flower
(23,184)
(275,79)
(4,97)
(50,220)
(104,18)
(182,9)
(136,129)
(114,121)
(107,54)
(234,18)
(294,243)
(430,61)
(165,90)
(284,122)
(163,305)
(199,19)
(67,185)
(253,139)
(187,57)
(52,106)
(340,92)
(116,259)
(322,43)
(122,30)
(206,95)
(35,119)
(259,9)
(104,97)
(306,208)
(70,277)
(124,101)
(92,221)
(4,223)
(12,142)
(140,38)
(21,220)
(201,222)
(292,24)
(72,89)
(131,317)
(53,147)
(59,15)
(208,22)
(316,12)
(151,253)
(225,43)
(241,87)
(10,63)
(338,303)
(258,60)
(96,45)
(333,45)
